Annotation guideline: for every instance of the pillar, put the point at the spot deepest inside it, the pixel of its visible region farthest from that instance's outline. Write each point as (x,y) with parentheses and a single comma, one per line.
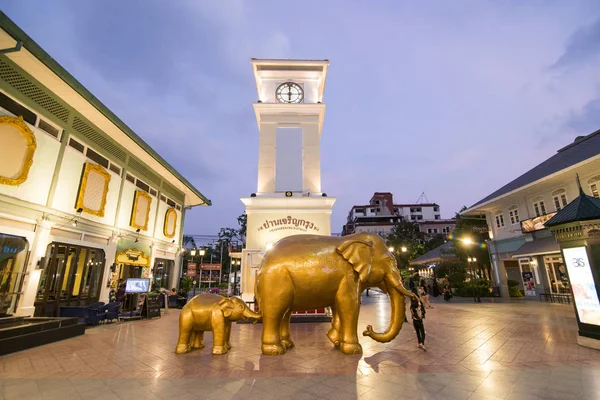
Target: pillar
(32,280)
(110,256)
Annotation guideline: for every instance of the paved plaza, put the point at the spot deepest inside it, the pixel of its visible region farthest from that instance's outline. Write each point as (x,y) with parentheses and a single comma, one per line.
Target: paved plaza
(514,350)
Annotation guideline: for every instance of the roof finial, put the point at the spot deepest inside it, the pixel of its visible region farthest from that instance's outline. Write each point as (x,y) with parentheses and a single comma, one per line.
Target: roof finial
(579,185)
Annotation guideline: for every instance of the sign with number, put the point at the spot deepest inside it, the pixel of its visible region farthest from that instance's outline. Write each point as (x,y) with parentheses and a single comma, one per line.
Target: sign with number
(582,284)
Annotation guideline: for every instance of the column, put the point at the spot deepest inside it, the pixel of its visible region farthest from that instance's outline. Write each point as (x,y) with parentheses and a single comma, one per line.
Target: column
(110,256)
(176,273)
(32,280)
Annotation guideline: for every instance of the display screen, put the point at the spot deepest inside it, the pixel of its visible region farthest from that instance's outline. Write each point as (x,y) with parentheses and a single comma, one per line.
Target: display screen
(137,285)
(582,284)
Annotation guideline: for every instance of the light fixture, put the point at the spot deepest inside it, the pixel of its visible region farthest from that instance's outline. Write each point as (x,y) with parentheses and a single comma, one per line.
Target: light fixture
(404,249)
(173,241)
(269,246)
(193,252)
(202,252)
(79,210)
(74,223)
(467,240)
(391,249)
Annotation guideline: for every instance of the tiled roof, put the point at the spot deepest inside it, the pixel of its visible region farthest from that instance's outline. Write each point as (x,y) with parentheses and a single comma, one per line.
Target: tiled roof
(580,150)
(582,208)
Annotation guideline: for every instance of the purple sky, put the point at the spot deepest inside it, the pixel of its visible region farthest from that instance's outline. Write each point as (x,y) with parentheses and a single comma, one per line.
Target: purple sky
(454,99)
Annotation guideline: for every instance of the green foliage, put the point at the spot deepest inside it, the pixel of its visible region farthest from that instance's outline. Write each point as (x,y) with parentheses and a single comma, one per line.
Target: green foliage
(479,287)
(222,285)
(457,278)
(514,291)
(406,234)
(186,283)
(447,268)
(512,283)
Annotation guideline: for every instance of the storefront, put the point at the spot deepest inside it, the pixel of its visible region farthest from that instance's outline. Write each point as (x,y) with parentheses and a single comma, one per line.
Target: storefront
(13,257)
(540,264)
(71,276)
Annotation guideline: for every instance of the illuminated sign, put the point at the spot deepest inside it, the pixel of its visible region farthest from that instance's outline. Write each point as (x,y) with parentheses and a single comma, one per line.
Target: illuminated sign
(582,284)
(535,224)
(210,267)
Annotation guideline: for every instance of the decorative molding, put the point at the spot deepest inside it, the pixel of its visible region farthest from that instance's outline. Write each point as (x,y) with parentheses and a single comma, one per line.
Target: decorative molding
(170,219)
(90,170)
(21,126)
(141,197)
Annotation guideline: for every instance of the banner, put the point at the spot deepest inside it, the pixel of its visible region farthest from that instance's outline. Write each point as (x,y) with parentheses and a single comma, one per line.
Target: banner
(582,284)
(210,267)
(528,284)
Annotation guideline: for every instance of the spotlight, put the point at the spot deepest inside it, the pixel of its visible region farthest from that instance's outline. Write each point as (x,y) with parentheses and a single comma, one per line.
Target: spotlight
(79,210)
(324,195)
(137,230)
(173,241)
(74,223)
(253,195)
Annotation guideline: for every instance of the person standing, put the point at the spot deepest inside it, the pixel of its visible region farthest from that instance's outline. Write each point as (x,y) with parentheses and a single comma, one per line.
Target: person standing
(417,311)
(424,295)
(121,294)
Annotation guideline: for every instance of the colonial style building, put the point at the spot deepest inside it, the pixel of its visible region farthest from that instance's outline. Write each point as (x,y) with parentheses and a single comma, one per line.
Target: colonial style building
(521,248)
(84,201)
(381,214)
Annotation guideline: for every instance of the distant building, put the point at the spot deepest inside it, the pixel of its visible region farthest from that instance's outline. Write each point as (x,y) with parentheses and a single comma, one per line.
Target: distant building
(521,247)
(381,214)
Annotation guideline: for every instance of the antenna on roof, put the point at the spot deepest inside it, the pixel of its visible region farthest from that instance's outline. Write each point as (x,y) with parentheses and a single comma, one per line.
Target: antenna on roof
(421,197)
(579,185)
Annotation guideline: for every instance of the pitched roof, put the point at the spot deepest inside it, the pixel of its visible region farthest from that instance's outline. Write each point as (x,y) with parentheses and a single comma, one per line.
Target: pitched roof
(441,252)
(581,149)
(582,208)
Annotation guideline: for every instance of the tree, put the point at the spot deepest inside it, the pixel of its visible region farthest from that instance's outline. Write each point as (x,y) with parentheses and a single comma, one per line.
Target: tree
(406,234)
(475,229)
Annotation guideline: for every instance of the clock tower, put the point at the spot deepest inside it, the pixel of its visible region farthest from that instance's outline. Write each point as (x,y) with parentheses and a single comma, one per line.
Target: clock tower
(289,199)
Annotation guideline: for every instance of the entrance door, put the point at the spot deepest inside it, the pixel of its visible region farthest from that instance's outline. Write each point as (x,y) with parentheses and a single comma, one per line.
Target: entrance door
(71,278)
(557,274)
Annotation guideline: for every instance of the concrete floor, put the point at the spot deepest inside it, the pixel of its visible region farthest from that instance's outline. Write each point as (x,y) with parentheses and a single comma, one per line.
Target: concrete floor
(515,350)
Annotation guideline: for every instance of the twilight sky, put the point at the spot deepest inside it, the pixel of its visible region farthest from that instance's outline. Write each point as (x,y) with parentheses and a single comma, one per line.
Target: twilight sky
(451,98)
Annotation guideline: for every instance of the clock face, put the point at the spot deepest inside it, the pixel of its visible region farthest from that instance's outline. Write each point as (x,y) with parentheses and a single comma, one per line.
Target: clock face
(289,92)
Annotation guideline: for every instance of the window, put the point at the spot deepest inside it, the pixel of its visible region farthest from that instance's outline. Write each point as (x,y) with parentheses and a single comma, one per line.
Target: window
(130,178)
(538,207)
(92,155)
(115,168)
(499,220)
(76,145)
(419,217)
(177,207)
(142,185)
(513,213)
(560,201)
(436,217)
(372,210)
(413,217)
(594,190)
(153,192)
(435,230)
(16,109)
(171,202)
(436,209)
(49,129)
(428,230)
(163,198)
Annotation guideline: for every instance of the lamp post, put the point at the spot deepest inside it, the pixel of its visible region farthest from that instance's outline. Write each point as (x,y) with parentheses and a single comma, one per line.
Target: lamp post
(470,260)
(201,252)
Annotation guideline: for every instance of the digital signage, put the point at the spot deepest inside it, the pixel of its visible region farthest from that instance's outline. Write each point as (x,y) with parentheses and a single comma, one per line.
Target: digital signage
(137,285)
(582,284)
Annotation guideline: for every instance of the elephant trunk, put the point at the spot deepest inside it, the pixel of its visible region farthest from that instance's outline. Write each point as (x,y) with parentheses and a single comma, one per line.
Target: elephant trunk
(397,318)
(248,313)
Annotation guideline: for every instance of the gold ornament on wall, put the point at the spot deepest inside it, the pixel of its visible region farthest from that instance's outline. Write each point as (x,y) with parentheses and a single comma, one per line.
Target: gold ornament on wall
(93,189)
(170,223)
(17,150)
(141,210)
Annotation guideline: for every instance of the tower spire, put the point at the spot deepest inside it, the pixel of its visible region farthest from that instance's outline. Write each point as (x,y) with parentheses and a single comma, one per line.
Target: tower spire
(579,185)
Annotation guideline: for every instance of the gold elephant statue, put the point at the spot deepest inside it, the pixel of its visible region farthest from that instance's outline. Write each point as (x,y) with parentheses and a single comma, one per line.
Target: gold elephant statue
(210,312)
(305,272)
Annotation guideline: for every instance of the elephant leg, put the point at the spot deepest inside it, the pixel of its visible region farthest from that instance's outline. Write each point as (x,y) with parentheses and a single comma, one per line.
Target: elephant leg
(286,337)
(219,326)
(228,334)
(197,340)
(347,304)
(185,331)
(334,331)
(271,334)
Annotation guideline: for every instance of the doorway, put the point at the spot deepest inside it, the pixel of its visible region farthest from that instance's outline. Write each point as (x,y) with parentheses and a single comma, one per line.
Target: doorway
(72,277)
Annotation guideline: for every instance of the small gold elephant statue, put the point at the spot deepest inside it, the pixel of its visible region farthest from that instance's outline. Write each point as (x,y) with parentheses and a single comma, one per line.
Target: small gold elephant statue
(210,312)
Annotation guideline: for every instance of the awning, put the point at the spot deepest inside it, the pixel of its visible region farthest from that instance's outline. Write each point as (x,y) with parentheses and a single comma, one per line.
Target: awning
(545,245)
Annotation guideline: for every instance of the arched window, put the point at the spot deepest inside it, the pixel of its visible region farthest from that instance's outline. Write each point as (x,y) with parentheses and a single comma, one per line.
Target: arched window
(594,183)
(513,213)
(560,199)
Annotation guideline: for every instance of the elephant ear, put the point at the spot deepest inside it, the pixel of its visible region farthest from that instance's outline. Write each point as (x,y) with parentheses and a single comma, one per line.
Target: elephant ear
(359,254)
(226,307)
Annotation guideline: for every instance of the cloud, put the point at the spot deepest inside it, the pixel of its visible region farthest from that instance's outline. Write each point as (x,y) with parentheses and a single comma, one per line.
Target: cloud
(583,46)
(586,120)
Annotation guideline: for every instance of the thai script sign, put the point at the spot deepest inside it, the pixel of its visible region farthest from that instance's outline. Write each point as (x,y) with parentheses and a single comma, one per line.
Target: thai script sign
(535,224)
(289,223)
(191,269)
(210,267)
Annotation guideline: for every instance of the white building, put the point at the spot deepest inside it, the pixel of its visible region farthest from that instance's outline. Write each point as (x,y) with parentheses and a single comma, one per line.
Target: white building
(289,199)
(83,200)
(521,248)
(381,214)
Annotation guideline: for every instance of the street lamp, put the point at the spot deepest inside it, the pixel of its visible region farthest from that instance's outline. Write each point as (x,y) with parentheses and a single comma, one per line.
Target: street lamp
(193,252)
(391,249)
(403,249)
(202,252)
(471,261)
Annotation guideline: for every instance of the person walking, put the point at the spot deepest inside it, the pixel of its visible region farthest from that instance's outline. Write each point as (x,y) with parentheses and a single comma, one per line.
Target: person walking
(424,295)
(417,311)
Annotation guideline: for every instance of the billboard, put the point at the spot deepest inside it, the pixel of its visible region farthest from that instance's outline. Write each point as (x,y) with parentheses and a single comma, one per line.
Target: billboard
(582,284)
(535,224)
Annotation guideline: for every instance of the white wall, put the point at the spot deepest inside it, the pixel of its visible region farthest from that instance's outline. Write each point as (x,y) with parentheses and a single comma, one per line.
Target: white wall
(160,223)
(288,164)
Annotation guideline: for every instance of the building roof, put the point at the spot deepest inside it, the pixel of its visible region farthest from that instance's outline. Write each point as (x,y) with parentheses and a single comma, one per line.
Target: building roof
(32,47)
(583,208)
(440,253)
(581,149)
(417,205)
(437,221)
